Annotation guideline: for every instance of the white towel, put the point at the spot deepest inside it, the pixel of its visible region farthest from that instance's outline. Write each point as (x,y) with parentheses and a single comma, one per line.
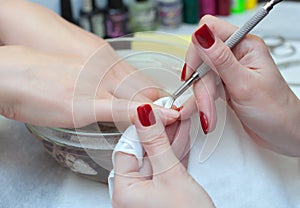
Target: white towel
(232,169)
(129,142)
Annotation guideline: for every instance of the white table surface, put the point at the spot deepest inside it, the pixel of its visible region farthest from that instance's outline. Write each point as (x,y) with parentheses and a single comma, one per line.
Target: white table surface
(29,177)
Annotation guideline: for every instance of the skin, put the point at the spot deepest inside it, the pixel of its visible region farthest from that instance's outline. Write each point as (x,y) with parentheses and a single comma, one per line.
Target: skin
(39,88)
(168,184)
(255,89)
(64,76)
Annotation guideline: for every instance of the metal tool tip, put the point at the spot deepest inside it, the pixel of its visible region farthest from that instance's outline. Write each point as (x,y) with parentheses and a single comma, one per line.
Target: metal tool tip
(277,1)
(169,102)
(270,4)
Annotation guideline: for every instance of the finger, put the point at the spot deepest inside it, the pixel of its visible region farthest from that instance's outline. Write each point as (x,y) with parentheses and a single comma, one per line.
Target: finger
(126,170)
(181,141)
(121,110)
(192,62)
(205,94)
(146,169)
(154,139)
(125,91)
(219,57)
(188,108)
(220,28)
(128,82)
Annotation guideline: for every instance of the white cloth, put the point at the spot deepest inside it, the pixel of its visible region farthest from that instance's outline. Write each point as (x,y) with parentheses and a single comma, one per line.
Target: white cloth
(129,142)
(233,170)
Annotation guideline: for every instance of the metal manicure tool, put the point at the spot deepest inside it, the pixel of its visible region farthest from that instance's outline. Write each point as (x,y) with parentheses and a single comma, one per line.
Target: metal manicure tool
(232,41)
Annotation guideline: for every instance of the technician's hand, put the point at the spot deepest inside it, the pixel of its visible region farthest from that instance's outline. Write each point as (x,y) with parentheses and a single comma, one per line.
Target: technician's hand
(261,98)
(170,185)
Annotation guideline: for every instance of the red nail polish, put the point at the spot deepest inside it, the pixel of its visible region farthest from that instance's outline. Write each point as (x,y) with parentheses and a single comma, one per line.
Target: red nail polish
(146,115)
(205,37)
(179,109)
(183,72)
(204,122)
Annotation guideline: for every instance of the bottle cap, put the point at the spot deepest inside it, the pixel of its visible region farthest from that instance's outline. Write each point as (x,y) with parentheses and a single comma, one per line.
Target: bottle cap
(116,4)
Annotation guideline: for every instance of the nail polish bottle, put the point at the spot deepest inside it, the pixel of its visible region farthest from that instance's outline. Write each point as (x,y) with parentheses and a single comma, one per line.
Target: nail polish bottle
(85,15)
(116,19)
(169,13)
(223,7)
(66,11)
(251,4)
(238,6)
(143,15)
(91,18)
(97,19)
(191,11)
(207,7)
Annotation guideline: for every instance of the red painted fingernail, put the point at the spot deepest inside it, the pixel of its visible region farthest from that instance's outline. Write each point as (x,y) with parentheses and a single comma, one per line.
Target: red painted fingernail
(179,109)
(204,122)
(183,72)
(146,115)
(205,37)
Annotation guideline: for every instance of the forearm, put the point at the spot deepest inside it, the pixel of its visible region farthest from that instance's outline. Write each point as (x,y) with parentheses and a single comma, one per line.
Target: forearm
(29,24)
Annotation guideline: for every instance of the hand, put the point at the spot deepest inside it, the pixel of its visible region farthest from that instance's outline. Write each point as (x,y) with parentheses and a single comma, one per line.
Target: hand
(64,76)
(267,108)
(170,185)
(58,90)
(44,30)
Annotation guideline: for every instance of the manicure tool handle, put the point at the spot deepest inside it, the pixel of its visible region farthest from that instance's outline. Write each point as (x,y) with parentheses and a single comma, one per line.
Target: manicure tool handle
(232,41)
(238,35)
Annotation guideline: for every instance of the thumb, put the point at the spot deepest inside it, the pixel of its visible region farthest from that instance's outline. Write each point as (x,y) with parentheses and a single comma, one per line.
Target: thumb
(218,56)
(154,139)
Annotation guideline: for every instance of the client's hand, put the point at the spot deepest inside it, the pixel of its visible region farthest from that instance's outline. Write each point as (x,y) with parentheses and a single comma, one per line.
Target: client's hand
(59,75)
(268,109)
(170,185)
(60,90)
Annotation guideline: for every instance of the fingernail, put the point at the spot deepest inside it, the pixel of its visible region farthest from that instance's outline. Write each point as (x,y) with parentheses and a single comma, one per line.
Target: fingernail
(204,122)
(183,72)
(146,115)
(179,108)
(205,37)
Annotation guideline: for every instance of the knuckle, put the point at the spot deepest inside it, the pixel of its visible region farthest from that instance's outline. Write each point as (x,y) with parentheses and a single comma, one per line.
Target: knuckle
(256,42)
(155,140)
(9,112)
(152,138)
(222,57)
(259,43)
(256,39)
(151,93)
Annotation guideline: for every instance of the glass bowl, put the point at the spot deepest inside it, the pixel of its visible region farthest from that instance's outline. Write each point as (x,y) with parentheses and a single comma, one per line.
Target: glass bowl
(87,151)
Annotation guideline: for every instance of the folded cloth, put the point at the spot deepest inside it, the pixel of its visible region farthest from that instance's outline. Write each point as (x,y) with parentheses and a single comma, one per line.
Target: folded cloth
(233,170)
(129,142)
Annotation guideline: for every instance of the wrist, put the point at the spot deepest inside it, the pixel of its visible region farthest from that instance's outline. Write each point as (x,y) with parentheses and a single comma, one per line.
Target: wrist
(295,124)
(292,125)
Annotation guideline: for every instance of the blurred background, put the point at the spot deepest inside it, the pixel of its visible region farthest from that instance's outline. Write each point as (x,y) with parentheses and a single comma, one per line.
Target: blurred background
(114,18)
